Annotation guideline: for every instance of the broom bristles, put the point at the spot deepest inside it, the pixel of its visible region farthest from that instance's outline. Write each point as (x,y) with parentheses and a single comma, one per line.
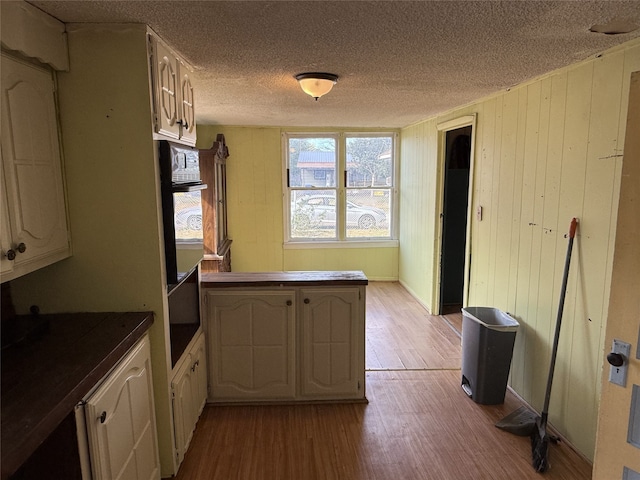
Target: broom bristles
(540,451)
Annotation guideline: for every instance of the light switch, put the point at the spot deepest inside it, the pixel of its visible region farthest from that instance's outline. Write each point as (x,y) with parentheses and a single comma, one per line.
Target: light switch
(619,360)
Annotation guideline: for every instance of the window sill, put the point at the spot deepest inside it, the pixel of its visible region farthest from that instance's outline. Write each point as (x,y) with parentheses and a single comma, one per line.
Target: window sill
(309,244)
(189,244)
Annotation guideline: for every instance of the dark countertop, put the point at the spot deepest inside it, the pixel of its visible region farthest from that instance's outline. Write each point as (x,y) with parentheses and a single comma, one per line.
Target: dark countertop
(282,279)
(44,377)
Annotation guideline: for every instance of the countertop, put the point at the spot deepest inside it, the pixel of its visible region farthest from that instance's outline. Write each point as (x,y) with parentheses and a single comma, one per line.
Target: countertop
(282,279)
(43,378)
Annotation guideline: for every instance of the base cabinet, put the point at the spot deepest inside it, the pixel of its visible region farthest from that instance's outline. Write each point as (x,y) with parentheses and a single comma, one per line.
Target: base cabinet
(189,394)
(120,421)
(292,344)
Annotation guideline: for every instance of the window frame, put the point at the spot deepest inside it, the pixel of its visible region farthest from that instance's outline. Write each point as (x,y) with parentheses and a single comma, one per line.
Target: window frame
(341,189)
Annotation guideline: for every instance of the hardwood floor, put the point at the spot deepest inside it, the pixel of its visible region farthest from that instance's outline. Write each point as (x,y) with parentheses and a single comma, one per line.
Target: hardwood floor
(418,424)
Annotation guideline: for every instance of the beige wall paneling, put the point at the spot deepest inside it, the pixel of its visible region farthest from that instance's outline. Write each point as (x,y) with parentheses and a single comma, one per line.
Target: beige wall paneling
(481,230)
(417,207)
(575,364)
(521,261)
(545,152)
(544,308)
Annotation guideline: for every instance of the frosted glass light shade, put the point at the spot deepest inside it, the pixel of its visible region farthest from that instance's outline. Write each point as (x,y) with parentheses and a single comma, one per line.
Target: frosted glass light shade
(316,84)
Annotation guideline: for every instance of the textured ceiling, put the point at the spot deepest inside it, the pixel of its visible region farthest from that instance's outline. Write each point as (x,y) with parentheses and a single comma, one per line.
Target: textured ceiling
(399,62)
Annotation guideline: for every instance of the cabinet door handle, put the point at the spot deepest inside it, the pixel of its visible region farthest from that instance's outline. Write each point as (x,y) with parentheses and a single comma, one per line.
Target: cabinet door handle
(306,300)
(289,303)
(11,253)
(102,417)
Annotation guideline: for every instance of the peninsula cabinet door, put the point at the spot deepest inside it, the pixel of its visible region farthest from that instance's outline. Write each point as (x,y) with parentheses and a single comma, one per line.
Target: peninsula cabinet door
(252,347)
(121,422)
(332,342)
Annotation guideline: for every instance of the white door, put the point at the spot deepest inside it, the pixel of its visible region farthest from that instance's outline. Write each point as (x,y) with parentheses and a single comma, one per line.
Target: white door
(618,439)
(31,163)
(121,422)
(251,335)
(332,337)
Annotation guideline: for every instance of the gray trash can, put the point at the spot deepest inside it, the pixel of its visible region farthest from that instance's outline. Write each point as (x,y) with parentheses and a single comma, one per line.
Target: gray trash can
(488,335)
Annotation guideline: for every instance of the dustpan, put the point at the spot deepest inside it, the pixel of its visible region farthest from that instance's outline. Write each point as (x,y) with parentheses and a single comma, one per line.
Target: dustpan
(521,422)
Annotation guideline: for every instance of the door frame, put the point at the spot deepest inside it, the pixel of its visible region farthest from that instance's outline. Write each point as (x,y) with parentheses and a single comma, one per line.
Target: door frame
(443,128)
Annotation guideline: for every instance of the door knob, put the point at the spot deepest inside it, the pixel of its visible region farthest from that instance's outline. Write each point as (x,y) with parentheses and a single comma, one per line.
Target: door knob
(615,359)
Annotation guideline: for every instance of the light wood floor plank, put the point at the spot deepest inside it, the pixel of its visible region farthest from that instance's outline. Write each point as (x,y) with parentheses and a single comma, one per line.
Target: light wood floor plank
(418,424)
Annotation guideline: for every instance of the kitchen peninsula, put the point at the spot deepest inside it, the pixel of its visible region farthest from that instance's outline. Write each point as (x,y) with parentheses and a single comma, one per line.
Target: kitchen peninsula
(285,336)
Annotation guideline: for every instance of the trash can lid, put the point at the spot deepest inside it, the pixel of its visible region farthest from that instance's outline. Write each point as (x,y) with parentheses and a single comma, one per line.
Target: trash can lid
(492,318)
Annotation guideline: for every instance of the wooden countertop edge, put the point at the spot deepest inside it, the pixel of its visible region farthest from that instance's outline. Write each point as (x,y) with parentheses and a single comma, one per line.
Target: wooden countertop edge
(283,279)
(17,452)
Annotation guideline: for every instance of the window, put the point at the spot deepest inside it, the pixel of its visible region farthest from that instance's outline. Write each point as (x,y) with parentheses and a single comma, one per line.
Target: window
(339,187)
(188,217)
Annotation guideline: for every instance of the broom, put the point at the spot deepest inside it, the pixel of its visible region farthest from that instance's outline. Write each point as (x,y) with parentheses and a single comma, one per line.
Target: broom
(540,438)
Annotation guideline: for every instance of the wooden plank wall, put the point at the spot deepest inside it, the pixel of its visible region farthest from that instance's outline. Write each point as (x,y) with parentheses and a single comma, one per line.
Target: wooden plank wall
(546,151)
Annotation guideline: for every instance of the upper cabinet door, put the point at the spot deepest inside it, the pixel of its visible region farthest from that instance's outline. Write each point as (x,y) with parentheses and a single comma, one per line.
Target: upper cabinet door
(166,72)
(187,108)
(173,96)
(32,169)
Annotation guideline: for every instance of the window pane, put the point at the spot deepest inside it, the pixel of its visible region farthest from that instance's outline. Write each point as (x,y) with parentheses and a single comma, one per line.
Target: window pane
(188,215)
(312,162)
(369,161)
(313,214)
(368,213)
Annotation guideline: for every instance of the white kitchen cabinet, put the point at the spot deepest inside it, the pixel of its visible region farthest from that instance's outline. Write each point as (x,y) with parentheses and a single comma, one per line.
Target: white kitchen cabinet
(285,336)
(34,221)
(251,344)
(189,393)
(173,98)
(120,421)
(332,330)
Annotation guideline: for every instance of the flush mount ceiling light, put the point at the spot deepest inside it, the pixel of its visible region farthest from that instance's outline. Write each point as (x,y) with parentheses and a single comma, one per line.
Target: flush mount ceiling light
(316,84)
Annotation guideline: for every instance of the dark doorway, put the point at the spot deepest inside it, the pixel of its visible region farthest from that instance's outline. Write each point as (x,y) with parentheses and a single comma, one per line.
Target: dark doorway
(454,218)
